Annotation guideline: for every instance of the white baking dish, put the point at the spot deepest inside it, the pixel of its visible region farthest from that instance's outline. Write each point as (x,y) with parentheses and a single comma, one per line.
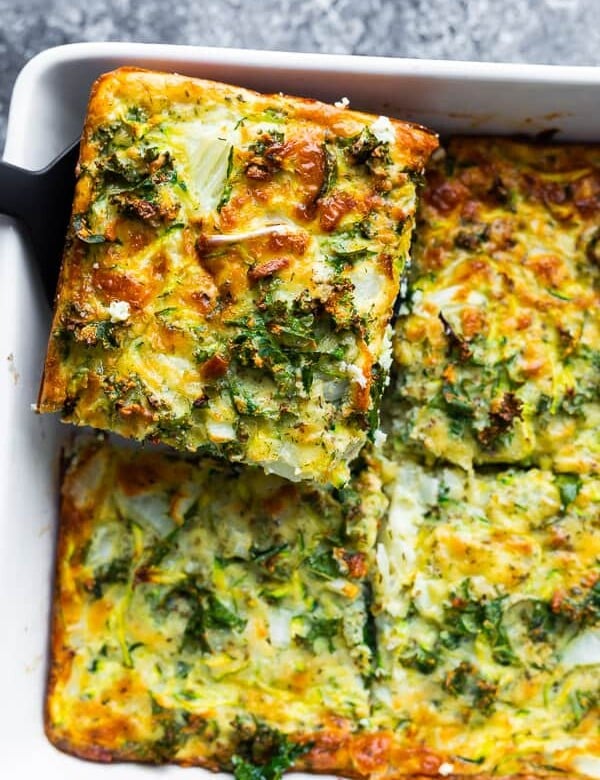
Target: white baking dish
(46,114)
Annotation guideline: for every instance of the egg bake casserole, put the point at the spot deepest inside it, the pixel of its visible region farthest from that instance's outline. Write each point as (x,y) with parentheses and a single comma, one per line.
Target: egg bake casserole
(439,614)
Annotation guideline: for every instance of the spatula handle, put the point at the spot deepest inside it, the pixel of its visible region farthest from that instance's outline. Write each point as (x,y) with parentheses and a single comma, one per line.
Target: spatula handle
(17,191)
(42,200)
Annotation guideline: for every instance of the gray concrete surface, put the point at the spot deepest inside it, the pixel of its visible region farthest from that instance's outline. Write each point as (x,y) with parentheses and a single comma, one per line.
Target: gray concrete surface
(545,31)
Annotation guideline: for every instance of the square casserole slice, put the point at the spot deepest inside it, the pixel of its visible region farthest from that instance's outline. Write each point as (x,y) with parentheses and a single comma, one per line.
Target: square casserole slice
(230,271)
(205,609)
(487,601)
(499,348)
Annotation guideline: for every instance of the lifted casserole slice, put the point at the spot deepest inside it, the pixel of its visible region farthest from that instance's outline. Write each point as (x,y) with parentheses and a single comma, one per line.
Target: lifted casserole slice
(230,271)
(205,610)
(499,344)
(487,603)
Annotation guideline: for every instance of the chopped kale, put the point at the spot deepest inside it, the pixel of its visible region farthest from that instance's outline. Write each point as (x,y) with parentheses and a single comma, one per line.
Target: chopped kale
(208,613)
(370,629)
(378,378)
(348,246)
(467,617)
(264,753)
(331,170)
(418,657)
(457,402)
(173,429)
(116,571)
(465,681)
(243,401)
(323,628)
(83,231)
(323,564)
(258,556)
(256,346)
(219,616)
(365,146)
(107,333)
(91,333)
(569,486)
(581,607)
(137,114)
(174,724)
(114,135)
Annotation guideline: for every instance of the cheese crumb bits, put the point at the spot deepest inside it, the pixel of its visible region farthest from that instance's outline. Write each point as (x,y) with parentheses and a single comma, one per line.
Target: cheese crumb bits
(119,311)
(342,103)
(446,769)
(383,130)
(354,373)
(379,438)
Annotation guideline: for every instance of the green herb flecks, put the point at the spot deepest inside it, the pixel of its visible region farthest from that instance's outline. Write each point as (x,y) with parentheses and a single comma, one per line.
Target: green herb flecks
(264,753)
(467,617)
(465,681)
(228,186)
(117,571)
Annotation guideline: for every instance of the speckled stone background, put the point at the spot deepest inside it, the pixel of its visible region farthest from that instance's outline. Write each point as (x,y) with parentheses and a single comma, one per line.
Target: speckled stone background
(546,31)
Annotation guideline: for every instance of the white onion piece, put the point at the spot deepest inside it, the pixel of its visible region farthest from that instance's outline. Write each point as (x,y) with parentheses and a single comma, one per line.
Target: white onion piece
(588,765)
(278,229)
(584,650)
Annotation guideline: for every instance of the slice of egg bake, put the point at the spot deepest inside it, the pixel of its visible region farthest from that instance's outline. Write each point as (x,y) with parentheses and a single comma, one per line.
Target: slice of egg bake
(204,610)
(487,605)
(230,271)
(498,342)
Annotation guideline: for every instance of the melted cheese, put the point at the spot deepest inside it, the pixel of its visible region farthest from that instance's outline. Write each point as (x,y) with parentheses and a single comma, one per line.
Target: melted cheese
(190,592)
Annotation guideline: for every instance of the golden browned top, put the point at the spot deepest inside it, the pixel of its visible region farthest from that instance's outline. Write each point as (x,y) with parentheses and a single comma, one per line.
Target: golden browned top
(230,272)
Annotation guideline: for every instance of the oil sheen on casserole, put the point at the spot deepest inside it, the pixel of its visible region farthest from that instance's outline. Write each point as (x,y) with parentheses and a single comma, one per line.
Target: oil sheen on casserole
(206,610)
(230,272)
(498,348)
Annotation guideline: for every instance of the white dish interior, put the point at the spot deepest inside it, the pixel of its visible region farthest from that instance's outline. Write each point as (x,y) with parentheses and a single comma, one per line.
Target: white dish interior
(46,115)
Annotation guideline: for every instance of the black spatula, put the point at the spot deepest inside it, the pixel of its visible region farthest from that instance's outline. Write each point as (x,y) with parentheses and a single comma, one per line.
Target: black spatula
(42,200)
